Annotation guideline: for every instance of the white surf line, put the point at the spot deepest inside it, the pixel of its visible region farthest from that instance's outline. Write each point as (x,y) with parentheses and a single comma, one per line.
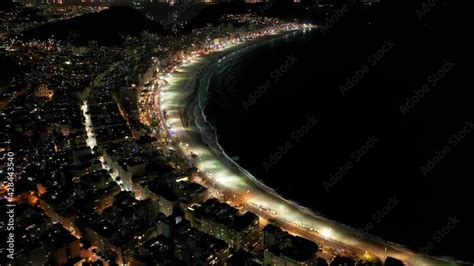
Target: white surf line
(258,196)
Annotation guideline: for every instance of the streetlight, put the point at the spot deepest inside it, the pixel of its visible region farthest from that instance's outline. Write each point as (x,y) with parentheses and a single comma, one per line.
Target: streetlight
(326,232)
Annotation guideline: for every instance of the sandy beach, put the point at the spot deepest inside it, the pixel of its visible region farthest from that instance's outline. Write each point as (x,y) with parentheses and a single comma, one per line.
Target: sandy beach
(185,123)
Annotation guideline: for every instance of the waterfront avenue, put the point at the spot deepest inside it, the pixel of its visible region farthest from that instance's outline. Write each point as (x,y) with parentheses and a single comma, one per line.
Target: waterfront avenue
(169,103)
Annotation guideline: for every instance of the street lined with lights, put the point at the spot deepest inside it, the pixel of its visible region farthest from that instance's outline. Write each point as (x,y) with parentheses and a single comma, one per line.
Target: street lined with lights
(169,103)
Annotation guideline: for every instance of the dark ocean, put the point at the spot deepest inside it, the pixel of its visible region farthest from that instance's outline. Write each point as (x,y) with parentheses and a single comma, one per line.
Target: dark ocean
(369,123)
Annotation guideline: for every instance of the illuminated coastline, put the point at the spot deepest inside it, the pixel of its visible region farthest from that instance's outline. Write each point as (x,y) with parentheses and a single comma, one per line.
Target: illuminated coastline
(239,185)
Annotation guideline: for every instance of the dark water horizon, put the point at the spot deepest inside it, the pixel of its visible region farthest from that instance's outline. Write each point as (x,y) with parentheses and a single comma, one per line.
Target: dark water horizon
(364,128)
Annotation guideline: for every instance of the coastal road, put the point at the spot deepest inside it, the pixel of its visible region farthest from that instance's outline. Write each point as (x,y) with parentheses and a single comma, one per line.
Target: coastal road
(235,182)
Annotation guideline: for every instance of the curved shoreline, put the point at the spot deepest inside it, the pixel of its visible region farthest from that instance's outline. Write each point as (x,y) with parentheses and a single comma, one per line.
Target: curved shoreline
(255,195)
(219,150)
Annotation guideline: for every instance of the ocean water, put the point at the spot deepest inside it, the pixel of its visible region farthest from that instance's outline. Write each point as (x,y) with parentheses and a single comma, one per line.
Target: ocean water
(389,154)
